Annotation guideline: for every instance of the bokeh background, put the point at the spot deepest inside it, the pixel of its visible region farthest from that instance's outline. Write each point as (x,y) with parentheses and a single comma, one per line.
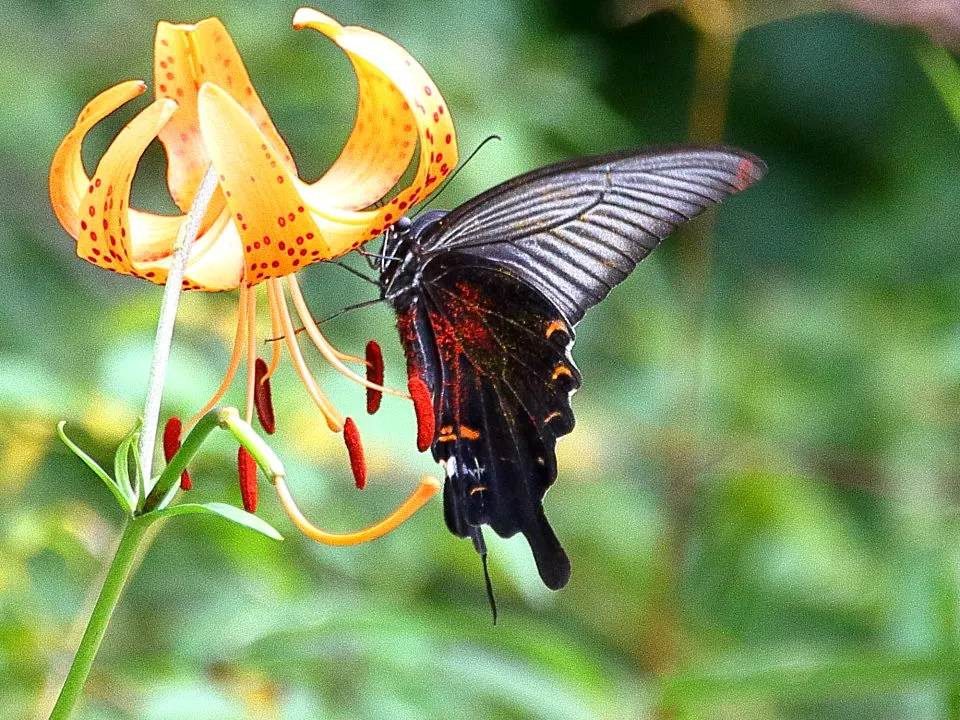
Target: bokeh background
(760,498)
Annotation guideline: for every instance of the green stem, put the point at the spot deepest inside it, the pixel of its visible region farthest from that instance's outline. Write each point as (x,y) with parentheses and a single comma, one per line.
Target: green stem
(120,567)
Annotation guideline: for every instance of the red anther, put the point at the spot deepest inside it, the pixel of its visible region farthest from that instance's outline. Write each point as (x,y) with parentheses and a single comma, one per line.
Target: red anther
(247,468)
(423,407)
(263,398)
(351,438)
(374,375)
(171,443)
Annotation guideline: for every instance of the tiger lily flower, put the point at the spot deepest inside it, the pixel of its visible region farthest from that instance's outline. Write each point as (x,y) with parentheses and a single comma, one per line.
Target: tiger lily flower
(264,223)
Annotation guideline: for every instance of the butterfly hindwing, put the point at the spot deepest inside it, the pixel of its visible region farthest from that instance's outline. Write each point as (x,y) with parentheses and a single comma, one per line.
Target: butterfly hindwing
(502,400)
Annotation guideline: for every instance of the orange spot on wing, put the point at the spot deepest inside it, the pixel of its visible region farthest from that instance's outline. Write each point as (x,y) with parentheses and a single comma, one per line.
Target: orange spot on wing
(554,326)
(468,433)
(551,416)
(561,370)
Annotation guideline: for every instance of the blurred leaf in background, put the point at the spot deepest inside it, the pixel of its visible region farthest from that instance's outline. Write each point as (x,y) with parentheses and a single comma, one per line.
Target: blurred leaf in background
(760,497)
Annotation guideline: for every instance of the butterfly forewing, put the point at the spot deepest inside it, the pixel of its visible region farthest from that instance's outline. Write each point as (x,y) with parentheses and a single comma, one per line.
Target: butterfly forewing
(576,229)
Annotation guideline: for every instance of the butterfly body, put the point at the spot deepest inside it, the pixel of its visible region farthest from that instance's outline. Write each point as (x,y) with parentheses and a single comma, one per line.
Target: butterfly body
(487,297)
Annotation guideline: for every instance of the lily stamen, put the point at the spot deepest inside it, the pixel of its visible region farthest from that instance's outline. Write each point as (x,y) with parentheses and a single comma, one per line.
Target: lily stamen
(358,465)
(251,352)
(263,398)
(423,407)
(329,353)
(235,355)
(276,297)
(375,375)
(425,490)
(172,432)
(247,470)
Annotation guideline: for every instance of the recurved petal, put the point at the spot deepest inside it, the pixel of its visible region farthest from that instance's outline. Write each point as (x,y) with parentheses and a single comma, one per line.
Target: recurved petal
(185,57)
(277,232)
(105,234)
(398,105)
(68,180)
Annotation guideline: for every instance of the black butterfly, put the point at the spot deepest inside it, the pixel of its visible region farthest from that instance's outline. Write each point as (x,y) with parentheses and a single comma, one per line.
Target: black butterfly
(487,296)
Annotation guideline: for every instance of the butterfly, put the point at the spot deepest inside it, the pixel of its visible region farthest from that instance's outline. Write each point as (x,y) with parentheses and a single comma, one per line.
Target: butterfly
(487,297)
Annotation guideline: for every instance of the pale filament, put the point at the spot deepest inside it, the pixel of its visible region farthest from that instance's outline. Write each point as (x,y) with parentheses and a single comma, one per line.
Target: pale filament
(325,348)
(329,412)
(251,301)
(274,330)
(234,358)
(425,490)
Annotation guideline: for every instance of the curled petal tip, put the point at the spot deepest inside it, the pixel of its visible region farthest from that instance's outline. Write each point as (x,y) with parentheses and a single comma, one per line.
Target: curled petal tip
(308,17)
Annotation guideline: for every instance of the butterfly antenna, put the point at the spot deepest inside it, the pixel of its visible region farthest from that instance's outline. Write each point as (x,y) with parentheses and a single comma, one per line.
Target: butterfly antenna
(481,547)
(354,271)
(338,313)
(377,256)
(348,308)
(460,167)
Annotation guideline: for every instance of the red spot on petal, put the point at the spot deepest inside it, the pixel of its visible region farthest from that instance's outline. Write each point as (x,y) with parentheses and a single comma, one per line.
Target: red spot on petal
(423,407)
(171,441)
(247,470)
(374,375)
(351,438)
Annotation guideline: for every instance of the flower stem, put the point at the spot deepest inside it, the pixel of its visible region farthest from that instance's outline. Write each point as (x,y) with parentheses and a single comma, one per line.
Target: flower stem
(168,313)
(123,562)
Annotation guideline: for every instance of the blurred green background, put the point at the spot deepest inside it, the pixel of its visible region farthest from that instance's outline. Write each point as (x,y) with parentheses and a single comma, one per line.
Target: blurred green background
(760,498)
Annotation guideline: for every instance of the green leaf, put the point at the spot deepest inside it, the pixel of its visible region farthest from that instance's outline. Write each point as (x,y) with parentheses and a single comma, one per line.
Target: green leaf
(121,465)
(99,471)
(228,512)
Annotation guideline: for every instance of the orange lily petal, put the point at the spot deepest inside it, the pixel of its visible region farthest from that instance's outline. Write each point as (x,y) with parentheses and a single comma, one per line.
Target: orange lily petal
(216,259)
(398,105)
(278,234)
(104,237)
(68,180)
(185,57)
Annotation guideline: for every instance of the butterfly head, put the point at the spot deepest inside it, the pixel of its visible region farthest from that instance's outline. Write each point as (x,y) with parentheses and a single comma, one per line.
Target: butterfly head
(401,261)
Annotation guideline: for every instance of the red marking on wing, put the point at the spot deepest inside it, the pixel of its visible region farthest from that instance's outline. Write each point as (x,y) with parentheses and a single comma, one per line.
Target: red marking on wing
(423,406)
(351,438)
(171,443)
(374,375)
(247,469)
(744,175)
(263,398)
